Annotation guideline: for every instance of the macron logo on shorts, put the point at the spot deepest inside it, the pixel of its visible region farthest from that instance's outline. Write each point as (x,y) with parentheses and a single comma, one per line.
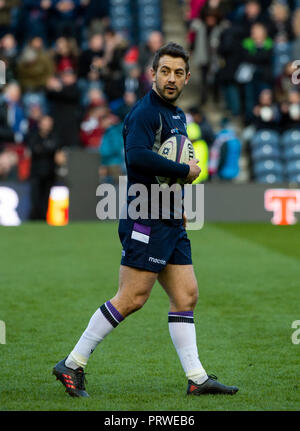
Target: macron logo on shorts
(141,233)
(154,260)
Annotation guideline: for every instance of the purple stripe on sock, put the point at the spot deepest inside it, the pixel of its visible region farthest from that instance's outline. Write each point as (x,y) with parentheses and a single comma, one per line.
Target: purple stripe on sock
(142,229)
(182,313)
(114,311)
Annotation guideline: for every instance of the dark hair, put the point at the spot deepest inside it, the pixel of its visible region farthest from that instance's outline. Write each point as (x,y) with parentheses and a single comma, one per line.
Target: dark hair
(173,50)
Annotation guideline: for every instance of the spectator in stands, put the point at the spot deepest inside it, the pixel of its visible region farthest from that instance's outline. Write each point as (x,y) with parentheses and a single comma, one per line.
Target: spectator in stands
(35,66)
(147,50)
(63,18)
(257,57)
(146,80)
(290,111)
(6,7)
(206,130)
(13,127)
(65,54)
(63,96)
(92,58)
(33,20)
(230,59)
(207,36)
(94,97)
(193,12)
(280,25)
(111,152)
(252,15)
(8,54)
(92,128)
(225,153)
(296,34)
(266,114)
(112,74)
(43,143)
(13,124)
(129,100)
(133,81)
(35,113)
(284,83)
(96,10)
(8,161)
(201,150)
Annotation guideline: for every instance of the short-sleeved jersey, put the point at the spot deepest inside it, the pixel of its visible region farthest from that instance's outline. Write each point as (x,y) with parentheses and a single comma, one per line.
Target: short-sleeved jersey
(147,126)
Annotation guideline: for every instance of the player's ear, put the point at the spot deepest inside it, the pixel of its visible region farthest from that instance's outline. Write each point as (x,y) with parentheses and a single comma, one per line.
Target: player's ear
(153,74)
(187,78)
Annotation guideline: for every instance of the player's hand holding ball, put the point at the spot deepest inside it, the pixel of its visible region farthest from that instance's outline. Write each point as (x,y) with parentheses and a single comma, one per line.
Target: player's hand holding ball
(194,171)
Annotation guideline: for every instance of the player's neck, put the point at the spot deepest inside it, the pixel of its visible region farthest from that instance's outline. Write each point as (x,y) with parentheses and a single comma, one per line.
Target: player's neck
(162,98)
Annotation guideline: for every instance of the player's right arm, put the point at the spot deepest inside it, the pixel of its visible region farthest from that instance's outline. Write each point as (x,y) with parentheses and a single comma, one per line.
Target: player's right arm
(140,132)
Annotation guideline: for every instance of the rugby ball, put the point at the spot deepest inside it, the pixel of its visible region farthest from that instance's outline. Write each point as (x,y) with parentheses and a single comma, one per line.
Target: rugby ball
(179,149)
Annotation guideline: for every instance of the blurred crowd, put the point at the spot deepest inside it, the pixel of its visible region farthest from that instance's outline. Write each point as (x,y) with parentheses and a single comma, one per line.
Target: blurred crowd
(71,78)
(245,53)
(70,81)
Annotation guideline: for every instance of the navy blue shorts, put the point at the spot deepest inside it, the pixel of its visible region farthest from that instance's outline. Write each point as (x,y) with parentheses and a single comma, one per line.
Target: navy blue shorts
(152,244)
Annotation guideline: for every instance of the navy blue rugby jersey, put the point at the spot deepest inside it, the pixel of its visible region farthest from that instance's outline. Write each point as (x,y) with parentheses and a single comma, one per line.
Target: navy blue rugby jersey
(148,125)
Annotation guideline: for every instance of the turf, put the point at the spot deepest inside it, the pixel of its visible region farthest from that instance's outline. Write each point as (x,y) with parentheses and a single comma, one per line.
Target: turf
(53,279)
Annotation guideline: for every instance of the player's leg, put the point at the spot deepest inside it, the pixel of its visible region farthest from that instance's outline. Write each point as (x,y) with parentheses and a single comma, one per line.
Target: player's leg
(135,286)
(134,289)
(180,284)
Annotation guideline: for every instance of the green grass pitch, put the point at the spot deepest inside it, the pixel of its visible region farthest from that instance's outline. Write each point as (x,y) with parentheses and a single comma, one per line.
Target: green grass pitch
(53,279)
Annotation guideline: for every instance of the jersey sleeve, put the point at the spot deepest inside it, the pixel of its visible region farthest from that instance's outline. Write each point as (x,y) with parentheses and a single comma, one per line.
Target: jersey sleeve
(139,132)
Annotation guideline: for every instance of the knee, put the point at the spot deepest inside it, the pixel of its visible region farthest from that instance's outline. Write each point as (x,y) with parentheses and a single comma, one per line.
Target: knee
(127,305)
(137,302)
(188,300)
(192,298)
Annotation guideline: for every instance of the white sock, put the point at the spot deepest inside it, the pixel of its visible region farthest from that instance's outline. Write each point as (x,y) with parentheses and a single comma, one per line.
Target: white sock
(103,321)
(183,334)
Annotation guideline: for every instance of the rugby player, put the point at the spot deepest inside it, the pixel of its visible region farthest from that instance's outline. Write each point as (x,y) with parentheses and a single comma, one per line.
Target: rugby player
(152,249)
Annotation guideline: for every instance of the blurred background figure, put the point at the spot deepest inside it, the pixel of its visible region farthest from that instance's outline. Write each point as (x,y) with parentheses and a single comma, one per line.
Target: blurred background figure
(34,66)
(63,96)
(112,163)
(266,114)
(13,123)
(225,153)
(6,16)
(8,54)
(43,143)
(201,150)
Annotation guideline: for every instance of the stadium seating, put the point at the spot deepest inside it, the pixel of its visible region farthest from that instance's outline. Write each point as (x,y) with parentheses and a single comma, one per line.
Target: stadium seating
(294,178)
(265,136)
(149,18)
(290,137)
(265,152)
(268,171)
(291,152)
(292,170)
(266,157)
(136,20)
(121,17)
(270,178)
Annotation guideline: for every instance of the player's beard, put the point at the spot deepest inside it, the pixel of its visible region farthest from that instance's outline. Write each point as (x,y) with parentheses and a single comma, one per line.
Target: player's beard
(163,93)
